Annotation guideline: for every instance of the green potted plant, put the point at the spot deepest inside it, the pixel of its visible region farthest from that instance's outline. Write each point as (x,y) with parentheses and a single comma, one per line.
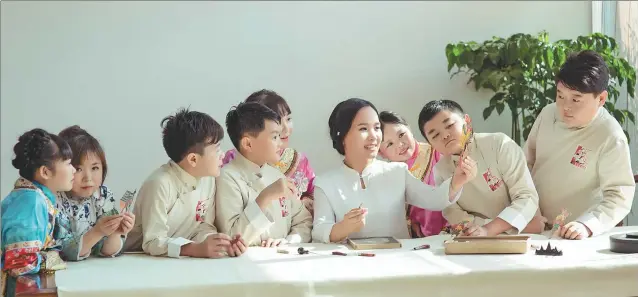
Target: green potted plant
(520,70)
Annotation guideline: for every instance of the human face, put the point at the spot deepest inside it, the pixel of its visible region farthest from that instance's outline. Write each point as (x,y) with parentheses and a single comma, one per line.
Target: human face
(286,130)
(577,109)
(364,137)
(266,146)
(398,143)
(59,178)
(209,162)
(89,175)
(444,132)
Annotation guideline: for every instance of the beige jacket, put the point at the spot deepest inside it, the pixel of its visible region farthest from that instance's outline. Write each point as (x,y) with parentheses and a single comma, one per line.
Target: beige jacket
(503,186)
(169,210)
(238,186)
(585,170)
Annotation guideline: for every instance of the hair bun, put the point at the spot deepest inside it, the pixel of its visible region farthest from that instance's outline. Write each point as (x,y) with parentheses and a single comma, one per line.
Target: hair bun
(72,132)
(20,162)
(29,148)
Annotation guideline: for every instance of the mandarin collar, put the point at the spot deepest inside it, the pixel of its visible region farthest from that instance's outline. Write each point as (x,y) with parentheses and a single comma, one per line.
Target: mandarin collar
(366,171)
(188,181)
(78,199)
(47,192)
(253,170)
(562,124)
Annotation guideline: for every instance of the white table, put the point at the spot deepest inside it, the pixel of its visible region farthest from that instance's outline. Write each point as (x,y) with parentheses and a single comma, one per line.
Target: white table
(587,268)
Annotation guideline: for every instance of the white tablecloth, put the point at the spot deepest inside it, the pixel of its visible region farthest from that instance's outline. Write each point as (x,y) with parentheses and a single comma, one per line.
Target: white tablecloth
(587,268)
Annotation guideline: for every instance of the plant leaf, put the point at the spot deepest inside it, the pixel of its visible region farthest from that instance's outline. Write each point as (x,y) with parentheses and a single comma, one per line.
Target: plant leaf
(631,82)
(630,115)
(613,93)
(495,79)
(612,44)
(482,79)
(500,107)
(620,117)
(450,65)
(488,111)
(561,58)
(467,58)
(448,49)
(456,51)
(478,61)
(494,57)
(451,58)
(548,56)
(512,53)
(497,98)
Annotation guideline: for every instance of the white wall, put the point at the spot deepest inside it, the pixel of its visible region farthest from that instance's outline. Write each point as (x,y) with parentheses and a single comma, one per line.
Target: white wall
(118,68)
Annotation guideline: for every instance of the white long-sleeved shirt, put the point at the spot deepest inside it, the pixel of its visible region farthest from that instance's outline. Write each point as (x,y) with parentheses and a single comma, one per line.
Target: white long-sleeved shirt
(170,209)
(237,212)
(388,186)
(503,186)
(586,170)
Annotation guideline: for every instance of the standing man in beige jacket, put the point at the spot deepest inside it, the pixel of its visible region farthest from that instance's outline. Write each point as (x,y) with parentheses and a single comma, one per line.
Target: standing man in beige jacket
(578,154)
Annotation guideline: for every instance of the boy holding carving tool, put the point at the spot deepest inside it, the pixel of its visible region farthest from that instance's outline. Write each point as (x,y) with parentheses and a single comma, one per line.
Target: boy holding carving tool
(254,198)
(502,198)
(578,154)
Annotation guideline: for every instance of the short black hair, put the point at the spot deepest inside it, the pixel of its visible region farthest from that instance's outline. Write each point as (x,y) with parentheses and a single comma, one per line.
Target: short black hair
(391,117)
(37,148)
(248,118)
(341,119)
(432,108)
(272,100)
(188,132)
(82,143)
(585,72)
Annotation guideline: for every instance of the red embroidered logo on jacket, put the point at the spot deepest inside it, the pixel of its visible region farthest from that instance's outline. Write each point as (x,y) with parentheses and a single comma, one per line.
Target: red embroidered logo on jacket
(494,182)
(580,157)
(200,211)
(284,207)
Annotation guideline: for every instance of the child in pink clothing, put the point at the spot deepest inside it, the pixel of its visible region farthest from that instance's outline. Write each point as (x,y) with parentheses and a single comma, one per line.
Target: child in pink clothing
(399,145)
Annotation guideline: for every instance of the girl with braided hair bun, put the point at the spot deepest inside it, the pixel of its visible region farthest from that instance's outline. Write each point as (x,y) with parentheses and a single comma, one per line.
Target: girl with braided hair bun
(34,233)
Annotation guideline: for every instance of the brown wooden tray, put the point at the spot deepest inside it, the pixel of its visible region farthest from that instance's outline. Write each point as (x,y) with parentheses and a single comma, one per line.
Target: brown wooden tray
(505,244)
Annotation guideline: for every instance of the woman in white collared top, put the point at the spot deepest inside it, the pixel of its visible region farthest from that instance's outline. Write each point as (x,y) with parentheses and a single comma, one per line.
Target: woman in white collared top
(380,188)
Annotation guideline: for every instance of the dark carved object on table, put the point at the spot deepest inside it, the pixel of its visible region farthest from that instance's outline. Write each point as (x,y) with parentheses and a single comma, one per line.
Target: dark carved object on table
(549,251)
